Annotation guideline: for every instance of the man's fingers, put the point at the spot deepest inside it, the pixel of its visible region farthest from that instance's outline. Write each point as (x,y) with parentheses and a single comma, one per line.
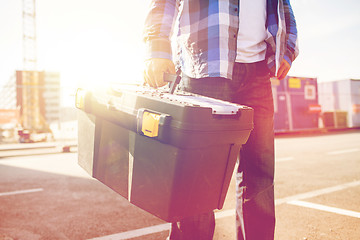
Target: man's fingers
(149,78)
(280,73)
(155,69)
(283,70)
(171,69)
(160,79)
(145,78)
(154,79)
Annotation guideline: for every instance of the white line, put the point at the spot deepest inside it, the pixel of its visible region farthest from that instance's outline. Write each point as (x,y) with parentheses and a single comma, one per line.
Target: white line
(284,159)
(136,233)
(317,192)
(21,192)
(155,229)
(325,208)
(343,151)
(225,213)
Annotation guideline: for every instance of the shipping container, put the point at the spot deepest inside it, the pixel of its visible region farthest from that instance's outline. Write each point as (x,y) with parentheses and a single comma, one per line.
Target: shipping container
(340,102)
(296,104)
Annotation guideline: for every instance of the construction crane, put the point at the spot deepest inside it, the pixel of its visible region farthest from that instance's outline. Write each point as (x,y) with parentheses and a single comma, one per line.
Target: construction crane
(29,35)
(33,124)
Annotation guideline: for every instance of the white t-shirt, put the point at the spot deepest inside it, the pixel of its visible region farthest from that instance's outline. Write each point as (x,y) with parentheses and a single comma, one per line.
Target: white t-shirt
(251,46)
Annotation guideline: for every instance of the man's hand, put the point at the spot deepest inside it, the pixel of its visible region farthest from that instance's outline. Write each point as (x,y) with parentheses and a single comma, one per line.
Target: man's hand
(155,69)
(283,69)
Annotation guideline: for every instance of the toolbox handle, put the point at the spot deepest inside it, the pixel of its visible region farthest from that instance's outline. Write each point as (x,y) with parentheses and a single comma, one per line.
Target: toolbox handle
(110,105)
(173,81)
(152,124)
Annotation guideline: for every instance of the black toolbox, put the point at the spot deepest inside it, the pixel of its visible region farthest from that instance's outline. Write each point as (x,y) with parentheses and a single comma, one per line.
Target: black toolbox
(172,155)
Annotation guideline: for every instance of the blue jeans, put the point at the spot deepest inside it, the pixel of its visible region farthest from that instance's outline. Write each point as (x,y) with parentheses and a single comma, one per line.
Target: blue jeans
(255,210)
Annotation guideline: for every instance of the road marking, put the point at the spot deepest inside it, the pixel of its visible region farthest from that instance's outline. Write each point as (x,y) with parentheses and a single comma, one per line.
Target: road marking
(284,159)
(21,192)
(317,192)
(155,229)
(136,233)
(343,151)
(225,213)
(325,208)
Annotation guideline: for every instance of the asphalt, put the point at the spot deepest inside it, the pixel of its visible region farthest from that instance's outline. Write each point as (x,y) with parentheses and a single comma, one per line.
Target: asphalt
(50,197)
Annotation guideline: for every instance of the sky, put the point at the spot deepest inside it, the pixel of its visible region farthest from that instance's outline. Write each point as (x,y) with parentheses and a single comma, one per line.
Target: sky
(97,41)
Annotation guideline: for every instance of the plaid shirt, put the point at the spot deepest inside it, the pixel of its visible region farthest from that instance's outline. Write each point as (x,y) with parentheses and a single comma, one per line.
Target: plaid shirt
(206,34)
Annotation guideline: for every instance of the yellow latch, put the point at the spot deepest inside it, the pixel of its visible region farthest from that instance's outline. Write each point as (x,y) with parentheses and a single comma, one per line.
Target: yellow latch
(150,124)
(80,98)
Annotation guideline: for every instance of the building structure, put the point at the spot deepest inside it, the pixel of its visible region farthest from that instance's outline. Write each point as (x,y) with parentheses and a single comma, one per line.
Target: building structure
(48,94)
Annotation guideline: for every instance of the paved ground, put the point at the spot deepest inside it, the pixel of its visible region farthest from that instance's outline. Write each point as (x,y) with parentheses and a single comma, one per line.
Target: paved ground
(47,196)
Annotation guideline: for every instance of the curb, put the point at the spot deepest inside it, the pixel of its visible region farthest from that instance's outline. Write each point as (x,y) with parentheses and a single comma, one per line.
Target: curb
(65,146)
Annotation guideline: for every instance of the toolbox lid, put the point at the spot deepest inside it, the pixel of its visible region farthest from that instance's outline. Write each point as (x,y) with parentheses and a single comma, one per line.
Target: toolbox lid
(180,119)
(218,107)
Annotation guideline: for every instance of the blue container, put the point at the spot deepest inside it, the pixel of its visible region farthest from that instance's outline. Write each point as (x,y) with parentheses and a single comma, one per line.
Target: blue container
(296,104)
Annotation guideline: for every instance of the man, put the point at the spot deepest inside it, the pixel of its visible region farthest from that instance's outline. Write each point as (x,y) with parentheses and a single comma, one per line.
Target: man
(228,49)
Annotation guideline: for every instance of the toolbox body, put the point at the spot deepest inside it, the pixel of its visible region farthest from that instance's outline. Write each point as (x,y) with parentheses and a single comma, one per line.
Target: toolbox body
(171,155)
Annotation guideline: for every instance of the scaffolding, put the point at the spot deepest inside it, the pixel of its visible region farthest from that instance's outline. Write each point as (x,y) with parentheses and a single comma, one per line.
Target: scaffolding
(29,36)
(29,83)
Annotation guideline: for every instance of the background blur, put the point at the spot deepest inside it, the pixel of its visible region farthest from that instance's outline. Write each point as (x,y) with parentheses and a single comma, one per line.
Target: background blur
(92,42)
(45,194)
